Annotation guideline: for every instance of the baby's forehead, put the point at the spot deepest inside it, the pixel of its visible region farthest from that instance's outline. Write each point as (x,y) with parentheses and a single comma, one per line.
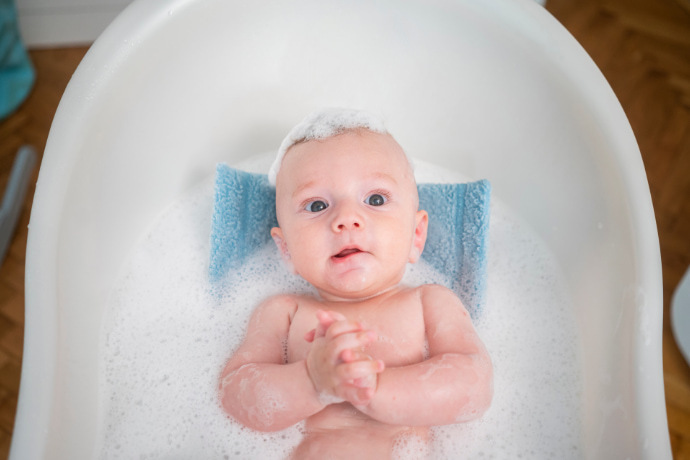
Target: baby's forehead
(360,143)
(363,158)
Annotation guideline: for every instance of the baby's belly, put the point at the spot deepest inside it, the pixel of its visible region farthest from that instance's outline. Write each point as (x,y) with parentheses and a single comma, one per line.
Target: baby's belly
(340,430)
(342,415)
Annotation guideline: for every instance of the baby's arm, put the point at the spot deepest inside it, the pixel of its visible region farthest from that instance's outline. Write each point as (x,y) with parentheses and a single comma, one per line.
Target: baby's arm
(257,387)
(454,385)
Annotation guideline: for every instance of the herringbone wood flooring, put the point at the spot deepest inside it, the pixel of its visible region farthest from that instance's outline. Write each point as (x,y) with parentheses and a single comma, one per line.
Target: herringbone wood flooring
(641,46)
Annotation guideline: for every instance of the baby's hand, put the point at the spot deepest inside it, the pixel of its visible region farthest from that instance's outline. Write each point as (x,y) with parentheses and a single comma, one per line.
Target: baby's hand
(337,363)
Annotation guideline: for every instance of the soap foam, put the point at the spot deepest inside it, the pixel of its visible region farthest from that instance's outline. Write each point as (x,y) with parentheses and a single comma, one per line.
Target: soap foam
(167,337)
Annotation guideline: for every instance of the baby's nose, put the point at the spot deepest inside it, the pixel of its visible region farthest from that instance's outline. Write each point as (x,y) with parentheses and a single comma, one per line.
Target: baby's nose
(347,218)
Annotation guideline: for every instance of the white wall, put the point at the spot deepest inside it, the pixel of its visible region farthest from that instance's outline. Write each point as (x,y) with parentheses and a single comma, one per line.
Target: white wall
(49,23)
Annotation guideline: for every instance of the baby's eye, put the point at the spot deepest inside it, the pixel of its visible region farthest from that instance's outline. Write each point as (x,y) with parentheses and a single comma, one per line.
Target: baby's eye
(316,206)
(376,199)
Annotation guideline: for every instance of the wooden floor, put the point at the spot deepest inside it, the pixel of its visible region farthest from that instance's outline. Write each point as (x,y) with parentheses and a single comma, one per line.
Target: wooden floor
(641,46)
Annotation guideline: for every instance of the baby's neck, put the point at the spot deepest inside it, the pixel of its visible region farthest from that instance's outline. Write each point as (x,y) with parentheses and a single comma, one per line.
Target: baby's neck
(328,297)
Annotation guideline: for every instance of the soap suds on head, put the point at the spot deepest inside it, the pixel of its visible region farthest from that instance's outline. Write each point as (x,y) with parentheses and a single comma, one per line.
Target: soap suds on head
(167,338)
(323,124)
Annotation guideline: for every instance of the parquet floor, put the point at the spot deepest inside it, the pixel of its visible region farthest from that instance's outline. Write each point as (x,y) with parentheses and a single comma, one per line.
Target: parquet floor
(641,46)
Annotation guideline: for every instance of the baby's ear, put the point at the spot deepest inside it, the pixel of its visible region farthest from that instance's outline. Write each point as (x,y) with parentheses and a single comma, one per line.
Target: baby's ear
(422,223)
(278,239)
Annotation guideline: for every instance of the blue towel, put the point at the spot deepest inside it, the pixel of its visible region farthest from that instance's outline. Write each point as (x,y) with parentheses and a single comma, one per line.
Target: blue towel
(244,212)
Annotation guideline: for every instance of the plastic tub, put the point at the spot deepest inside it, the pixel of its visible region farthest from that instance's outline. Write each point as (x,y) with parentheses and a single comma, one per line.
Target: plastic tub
(495,90)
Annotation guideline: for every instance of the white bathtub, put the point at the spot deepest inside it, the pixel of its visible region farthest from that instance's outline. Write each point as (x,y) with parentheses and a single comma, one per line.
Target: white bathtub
(493,89)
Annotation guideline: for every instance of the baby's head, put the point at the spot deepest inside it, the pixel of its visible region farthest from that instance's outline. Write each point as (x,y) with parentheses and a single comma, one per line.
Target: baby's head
(346,202)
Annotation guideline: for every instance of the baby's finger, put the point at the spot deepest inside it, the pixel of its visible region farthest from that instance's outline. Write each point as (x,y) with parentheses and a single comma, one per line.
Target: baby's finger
(325,320)
(310,336)
(358,396)
(329,315)
(355,341)
(349,355)
(344,327)
(365,382)
(351,372)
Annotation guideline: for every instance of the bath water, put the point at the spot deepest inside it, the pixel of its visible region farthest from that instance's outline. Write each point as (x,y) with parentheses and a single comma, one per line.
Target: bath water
(166,338)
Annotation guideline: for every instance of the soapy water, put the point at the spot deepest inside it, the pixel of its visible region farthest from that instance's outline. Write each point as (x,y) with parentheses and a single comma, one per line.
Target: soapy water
(167,336)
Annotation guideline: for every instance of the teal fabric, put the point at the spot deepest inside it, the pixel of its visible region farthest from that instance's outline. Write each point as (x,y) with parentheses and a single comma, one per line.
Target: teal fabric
(16,72)
(457,240)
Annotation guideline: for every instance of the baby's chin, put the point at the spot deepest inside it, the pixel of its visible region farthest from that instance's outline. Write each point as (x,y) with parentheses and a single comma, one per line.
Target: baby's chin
(355,282)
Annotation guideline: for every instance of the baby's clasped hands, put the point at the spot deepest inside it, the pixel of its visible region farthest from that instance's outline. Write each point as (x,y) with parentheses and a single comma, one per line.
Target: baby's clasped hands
(337,363)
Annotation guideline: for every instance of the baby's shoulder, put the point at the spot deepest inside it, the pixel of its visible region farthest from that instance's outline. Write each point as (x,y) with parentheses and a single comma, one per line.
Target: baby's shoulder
(280,303)
(291,303)
(432,295)
(433,290)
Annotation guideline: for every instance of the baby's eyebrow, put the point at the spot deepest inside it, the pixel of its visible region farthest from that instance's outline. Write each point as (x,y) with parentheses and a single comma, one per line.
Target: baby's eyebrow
(384,176)
(373,176)
(302,187)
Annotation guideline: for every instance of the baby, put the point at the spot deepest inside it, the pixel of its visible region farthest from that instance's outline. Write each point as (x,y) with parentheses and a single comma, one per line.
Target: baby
(368,362)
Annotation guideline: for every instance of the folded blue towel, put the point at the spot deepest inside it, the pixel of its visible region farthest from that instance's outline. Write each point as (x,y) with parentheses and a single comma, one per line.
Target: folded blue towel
(244,212)
(458,236)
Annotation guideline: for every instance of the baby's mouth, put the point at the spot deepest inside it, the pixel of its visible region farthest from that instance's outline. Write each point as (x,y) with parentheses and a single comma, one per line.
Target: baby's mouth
(347,252)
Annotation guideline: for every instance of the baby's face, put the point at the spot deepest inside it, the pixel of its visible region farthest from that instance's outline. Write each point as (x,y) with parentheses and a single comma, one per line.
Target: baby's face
(347,210)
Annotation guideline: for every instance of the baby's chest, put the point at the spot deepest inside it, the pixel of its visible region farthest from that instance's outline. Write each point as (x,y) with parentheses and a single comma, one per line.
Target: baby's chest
(399,345)
(400,333)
